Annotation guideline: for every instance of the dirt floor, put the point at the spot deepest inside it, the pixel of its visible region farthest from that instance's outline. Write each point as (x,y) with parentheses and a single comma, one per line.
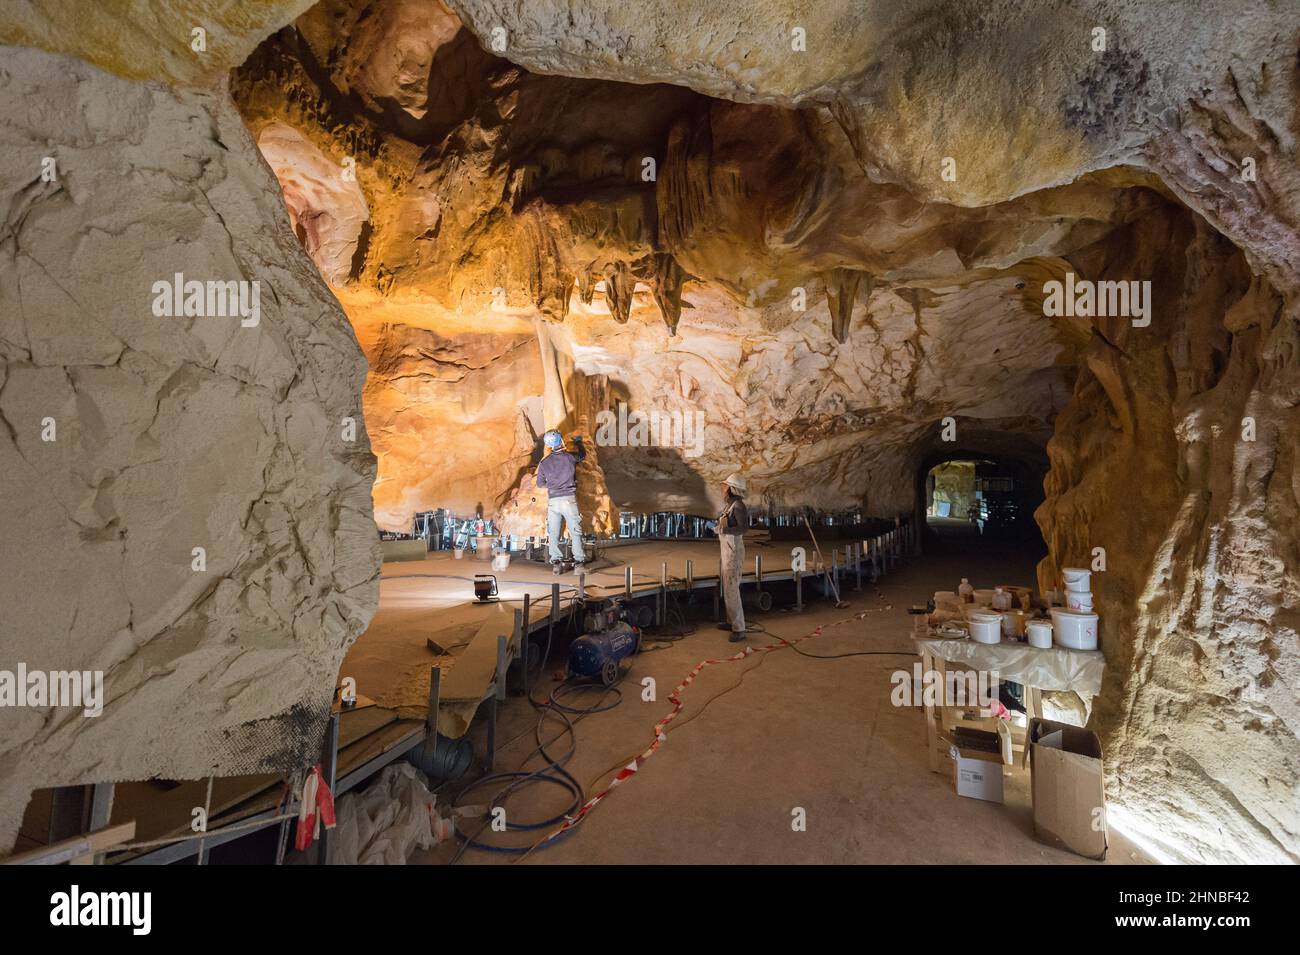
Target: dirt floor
(763,737)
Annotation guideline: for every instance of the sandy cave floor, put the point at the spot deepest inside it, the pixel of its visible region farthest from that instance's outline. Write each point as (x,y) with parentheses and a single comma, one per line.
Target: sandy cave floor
(797,732)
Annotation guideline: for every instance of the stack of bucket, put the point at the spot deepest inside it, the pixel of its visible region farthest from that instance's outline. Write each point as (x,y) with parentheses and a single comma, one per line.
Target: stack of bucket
(1075,626)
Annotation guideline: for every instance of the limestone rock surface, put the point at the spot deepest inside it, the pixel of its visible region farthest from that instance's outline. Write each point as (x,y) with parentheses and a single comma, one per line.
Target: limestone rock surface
(817,232)
(130,439)
(827,251)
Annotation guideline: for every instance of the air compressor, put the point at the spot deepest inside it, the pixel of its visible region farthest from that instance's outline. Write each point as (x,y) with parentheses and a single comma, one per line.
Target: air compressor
(610,637)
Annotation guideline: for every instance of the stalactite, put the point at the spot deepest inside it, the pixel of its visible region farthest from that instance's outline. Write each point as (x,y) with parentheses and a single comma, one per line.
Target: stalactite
(667,288)
(619,285)
(841,295)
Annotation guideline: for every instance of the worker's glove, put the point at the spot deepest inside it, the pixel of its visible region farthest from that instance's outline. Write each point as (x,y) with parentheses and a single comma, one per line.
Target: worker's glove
(711,526)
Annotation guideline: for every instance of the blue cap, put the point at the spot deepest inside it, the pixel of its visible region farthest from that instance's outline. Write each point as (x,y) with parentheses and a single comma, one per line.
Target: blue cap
(553,440)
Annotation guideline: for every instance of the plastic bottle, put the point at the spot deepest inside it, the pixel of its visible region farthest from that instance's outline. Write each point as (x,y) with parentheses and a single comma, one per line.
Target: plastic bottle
(966,592)
(1001,599)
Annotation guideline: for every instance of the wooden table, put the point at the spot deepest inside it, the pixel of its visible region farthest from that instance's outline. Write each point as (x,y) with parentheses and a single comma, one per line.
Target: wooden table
(1037,670)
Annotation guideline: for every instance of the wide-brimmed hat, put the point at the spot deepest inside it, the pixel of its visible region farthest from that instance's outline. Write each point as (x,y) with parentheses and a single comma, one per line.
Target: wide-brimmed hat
(736,483)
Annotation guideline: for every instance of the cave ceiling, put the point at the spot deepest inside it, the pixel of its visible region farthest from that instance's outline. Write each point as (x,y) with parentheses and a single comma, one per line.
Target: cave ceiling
(697,255)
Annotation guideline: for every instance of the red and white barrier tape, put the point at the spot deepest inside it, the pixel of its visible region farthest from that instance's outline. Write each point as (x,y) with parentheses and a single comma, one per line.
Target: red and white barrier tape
(661,736)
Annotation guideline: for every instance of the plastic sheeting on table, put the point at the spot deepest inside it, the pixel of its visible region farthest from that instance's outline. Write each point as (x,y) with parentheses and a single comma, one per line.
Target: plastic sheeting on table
(1047,669)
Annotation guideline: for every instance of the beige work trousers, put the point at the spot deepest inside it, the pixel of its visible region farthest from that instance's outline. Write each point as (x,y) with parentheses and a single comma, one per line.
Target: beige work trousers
(733,564)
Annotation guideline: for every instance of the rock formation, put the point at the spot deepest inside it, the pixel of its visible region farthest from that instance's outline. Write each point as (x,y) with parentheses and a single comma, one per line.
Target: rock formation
(706,242)
(186,502)
(817,237)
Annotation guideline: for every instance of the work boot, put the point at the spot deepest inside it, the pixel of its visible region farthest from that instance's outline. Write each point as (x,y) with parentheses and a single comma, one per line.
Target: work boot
(736,636)
(725,626)
(557,568)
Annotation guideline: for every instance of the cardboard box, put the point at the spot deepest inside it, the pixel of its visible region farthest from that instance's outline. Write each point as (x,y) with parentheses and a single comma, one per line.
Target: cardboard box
(977,775)
(978,761)
(1068,787)
(971,717)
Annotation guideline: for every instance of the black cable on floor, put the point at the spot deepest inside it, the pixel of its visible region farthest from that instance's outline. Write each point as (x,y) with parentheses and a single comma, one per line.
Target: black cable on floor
(552,772)
(852,653)
(568,687)
(673,612)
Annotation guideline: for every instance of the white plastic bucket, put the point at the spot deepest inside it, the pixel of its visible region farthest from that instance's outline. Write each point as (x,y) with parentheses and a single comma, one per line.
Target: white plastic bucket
(1076,579)
(986,627)
(1040,633)
(1075,631)
(1081,603)
(1013,623)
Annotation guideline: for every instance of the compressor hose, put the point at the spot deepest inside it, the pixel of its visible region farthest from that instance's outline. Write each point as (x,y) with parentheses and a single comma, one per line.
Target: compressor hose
(552,772)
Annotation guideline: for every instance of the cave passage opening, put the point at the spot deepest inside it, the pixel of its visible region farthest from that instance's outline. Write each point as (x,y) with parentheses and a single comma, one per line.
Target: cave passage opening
(983,496)
(971,498)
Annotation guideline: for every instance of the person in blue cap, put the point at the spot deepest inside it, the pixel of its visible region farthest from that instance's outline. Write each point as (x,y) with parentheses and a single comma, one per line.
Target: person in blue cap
(558,473)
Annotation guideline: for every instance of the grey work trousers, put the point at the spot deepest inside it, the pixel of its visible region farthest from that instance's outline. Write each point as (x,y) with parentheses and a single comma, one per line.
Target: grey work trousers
(563,509)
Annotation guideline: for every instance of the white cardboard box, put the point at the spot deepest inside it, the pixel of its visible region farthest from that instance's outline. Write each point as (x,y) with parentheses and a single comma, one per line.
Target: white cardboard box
(978,775)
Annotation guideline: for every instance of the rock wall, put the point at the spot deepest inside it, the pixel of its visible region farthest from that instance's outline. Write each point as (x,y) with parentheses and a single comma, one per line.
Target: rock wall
(1177,455)
(954,482)
(130,438)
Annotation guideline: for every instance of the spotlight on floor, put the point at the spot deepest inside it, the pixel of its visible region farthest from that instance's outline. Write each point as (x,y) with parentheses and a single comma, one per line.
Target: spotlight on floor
(485,588)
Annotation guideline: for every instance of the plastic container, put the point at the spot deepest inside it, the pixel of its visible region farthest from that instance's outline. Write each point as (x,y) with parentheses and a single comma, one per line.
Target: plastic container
(1078,602)
(1013,623)
(1001,599)
(1076,580)
(947,599)
(966,591)
(1021,597)
(1074,631)
(1040,633)
(986,627)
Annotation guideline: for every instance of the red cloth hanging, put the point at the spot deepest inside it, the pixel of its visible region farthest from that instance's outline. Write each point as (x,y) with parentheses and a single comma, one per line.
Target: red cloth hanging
(316,807)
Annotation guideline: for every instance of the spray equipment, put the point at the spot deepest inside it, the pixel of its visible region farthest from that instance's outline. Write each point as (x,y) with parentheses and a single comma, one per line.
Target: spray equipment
(613,633)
